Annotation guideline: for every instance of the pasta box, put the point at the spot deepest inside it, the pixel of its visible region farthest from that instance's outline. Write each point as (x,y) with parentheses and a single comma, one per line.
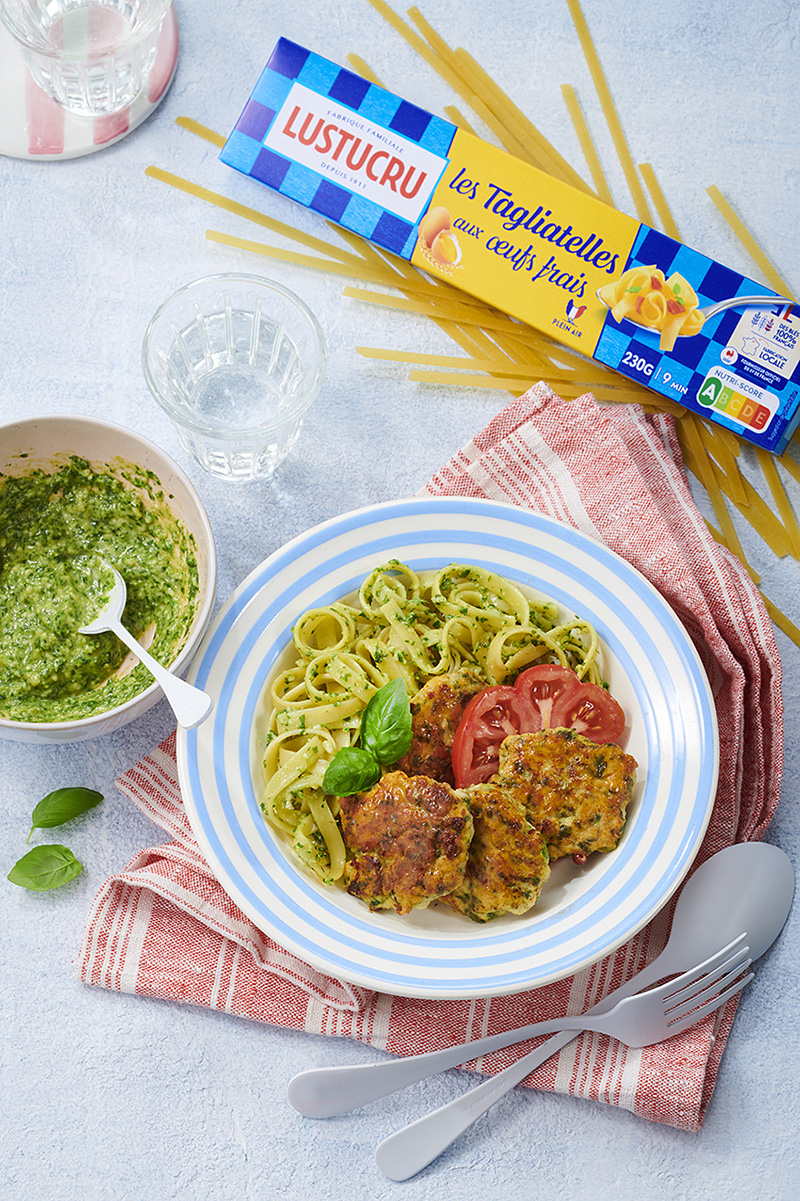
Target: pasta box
(546,253)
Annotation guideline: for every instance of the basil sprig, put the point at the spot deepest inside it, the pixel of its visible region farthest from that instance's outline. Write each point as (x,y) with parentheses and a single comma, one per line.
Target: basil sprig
(62,806)
(385,736)
(351,770)
(50,865)
(45,867)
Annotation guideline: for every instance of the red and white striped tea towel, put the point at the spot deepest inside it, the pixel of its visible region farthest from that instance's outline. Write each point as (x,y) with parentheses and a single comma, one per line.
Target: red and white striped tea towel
(164,928)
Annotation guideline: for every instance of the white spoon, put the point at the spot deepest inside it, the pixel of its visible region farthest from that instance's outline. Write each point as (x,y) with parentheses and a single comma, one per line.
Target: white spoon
(745,302)
(190,705)
(746,888)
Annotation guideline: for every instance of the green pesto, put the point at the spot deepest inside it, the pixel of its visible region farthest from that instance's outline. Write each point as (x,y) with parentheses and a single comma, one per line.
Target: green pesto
(55,530)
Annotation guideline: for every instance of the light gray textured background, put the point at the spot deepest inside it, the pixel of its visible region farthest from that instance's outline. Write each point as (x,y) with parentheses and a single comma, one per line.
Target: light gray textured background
(108,1096)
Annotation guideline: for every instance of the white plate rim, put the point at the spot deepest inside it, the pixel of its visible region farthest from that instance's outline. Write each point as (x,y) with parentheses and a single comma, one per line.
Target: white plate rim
(218,792)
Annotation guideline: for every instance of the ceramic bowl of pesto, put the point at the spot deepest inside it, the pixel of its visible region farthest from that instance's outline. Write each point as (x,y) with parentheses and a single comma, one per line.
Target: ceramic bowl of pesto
(77,492)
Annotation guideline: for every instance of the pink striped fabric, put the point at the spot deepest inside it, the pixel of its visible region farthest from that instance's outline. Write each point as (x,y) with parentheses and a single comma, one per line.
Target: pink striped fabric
(45,121)
(163,927)
(48,124)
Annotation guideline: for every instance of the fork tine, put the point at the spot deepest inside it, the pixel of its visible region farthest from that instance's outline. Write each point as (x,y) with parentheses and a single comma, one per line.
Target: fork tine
(690,1019)
(709,995)
(704,983)
(701,970)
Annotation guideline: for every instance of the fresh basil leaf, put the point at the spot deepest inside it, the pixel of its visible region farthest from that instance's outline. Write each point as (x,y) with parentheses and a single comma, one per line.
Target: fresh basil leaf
(45,867)
(386,723)
(62,806)
(350,770)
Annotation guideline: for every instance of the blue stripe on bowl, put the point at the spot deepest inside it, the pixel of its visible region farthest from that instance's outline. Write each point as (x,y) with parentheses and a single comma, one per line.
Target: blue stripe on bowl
(506,945)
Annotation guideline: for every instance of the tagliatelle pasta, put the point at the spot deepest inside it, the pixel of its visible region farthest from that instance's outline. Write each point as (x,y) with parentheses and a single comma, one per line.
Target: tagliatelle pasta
(644,295)
(405,625)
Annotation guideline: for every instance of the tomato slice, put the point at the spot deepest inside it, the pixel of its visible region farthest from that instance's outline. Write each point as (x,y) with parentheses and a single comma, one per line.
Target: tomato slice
(564,701)
(489,717)
(590,711)
(543,688)
(545,696)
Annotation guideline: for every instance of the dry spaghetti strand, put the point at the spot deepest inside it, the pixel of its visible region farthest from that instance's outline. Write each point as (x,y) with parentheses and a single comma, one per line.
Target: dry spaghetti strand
(202,131)
(668,223)
(773,278)
(251,214)
(610,112)
(782,502)
(587,145)
(782,621)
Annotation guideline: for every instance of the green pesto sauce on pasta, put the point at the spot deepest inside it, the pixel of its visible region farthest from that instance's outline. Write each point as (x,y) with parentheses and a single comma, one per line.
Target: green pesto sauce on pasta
(56,531)
(401,624)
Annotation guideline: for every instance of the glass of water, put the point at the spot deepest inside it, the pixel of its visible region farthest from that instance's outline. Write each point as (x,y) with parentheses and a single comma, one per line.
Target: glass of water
(236,361)
(93,57)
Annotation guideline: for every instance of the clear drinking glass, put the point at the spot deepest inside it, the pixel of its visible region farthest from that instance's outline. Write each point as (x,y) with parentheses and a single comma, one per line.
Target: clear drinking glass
(91,56)
(236,361)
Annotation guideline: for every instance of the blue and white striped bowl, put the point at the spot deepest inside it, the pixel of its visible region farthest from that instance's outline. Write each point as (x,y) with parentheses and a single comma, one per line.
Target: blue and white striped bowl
(583,913)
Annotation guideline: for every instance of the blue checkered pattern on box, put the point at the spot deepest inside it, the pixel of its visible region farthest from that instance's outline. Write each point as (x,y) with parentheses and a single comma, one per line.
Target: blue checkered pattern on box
(680,372)
(244,149)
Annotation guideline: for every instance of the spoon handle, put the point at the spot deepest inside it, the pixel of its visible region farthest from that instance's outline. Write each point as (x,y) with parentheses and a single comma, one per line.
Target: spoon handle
(753,302)
(409,1150)
(190,705)
(329,1092)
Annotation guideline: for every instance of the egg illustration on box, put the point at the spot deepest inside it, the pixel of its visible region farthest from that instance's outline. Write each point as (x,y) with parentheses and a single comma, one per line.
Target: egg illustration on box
(432,224)
(445,250)
(437,239)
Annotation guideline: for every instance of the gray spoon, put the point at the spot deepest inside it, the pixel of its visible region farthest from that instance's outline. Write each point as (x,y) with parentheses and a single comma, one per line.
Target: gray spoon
(744,302)
(744,889)
(747,888)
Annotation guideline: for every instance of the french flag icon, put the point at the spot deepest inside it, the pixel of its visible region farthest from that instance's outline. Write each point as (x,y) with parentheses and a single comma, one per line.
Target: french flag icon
(575,311)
